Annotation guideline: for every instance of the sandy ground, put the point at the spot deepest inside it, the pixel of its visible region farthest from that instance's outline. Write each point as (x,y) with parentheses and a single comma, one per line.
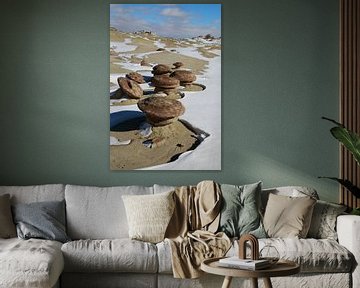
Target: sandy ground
(175,143)
(168,141)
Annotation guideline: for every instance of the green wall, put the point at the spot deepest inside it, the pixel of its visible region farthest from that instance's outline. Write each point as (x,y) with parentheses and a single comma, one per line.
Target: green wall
(280,75)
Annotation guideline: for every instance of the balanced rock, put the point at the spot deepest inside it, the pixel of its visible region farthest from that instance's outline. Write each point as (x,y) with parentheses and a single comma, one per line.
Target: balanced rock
(130,88)
(161,111)
(164,81)
(161,69)
(137,77)
(184,76)
(177,65)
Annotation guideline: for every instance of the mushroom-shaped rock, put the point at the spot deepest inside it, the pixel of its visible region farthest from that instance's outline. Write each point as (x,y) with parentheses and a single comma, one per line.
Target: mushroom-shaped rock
(161,111)
(161,69)
(164,81)
(184,76)
(130,88)
(177,65)
(137,77)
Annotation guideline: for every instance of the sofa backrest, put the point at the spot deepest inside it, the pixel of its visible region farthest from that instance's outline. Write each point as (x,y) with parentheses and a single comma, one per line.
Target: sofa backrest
(98,212)
(36,193)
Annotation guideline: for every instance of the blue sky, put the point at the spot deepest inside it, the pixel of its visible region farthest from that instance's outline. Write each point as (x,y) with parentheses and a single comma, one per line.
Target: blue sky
(169,20)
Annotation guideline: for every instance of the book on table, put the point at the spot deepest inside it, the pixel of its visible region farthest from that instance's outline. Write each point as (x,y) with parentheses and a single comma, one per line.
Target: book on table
(249,264)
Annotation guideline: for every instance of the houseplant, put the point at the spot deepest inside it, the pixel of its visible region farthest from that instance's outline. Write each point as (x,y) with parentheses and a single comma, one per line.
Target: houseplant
(351,141)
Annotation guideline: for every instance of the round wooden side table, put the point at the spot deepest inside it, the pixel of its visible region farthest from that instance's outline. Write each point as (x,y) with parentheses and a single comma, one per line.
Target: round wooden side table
(281,268)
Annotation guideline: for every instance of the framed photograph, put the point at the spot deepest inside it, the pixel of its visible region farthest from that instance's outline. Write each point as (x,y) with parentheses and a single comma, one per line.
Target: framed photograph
(165,86)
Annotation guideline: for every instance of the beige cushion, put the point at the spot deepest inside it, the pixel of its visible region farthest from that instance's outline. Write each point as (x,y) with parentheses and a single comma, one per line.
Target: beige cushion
(149,215)
(287,217)
(293,191)
(110,255)
(7,226)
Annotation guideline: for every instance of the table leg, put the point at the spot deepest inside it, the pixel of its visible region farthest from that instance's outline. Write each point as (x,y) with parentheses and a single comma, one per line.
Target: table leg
(267,283)
(227,282)
(254,282)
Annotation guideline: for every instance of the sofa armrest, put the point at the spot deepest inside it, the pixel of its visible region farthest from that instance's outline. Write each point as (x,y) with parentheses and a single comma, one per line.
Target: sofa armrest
(348,230)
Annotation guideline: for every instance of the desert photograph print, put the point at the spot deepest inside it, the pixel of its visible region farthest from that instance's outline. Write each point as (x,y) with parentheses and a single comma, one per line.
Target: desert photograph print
(165,86)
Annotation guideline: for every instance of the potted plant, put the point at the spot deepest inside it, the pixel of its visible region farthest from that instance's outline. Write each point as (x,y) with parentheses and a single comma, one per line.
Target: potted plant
(351,141)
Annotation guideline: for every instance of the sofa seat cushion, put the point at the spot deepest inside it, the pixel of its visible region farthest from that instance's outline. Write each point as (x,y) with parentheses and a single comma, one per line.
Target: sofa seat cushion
(115,255)
(30,263)
(313,255)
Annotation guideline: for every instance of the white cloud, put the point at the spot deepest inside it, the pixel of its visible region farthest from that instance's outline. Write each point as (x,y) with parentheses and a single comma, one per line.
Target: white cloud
(173,12)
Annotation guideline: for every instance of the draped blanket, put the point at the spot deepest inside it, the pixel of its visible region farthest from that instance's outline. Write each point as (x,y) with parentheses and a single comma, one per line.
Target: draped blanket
(191,231)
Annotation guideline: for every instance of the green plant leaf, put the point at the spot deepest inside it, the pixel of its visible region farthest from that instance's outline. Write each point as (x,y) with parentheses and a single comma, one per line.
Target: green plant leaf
(355,211)
(348,138)
(347,184)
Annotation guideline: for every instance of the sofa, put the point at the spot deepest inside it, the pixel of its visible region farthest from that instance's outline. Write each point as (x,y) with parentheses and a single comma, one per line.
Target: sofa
(100,253)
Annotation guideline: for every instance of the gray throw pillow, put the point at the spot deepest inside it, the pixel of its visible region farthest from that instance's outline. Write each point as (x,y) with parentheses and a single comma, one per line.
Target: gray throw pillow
(7,226)
(240,213)
(44,220)
(323,222)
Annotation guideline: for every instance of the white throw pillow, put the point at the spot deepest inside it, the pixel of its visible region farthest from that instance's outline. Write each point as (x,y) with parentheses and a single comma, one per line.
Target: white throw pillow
(149,215)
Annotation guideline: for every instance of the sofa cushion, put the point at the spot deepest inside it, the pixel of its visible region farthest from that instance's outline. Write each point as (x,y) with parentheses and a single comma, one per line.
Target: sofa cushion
(30,263)
(291,191)
(287,216)
(240,210)
(43,220)
(313,255)
(323,222)
(116,255)
(98,213)
(149,215)
(36,193)
(7,226)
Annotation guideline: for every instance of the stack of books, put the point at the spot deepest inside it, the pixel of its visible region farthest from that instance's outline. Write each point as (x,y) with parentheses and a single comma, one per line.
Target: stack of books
(248,264)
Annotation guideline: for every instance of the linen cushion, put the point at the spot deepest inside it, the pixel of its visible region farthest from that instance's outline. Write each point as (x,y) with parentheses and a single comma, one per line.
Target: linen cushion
(98,213)
(31,263)
(7,226)
(313,255)
(240,210)
(116,255)
(149,215)
(44,220)
(291,191)
(323,222)
(287,216)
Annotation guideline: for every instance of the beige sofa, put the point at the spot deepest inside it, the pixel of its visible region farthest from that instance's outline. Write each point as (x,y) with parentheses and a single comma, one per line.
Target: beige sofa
(101,254)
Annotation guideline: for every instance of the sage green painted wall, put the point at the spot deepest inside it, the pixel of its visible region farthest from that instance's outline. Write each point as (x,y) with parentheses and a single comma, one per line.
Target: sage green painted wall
(280,75)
